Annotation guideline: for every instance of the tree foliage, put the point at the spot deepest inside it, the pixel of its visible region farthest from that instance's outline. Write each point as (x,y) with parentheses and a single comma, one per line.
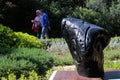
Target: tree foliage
(18,14)
(110,17)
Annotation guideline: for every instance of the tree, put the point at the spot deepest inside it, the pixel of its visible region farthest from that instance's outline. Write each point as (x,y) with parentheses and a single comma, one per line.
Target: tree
(17,14)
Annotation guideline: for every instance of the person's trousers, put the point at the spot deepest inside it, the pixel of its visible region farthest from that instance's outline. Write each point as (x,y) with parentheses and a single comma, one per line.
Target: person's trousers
(39,32)
(44,33)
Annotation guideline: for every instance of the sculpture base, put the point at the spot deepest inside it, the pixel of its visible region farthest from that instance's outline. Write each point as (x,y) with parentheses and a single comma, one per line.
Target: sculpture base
(73,75)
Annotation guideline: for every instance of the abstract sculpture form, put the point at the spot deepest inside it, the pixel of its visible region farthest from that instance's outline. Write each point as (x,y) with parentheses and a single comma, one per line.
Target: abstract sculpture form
(86,43)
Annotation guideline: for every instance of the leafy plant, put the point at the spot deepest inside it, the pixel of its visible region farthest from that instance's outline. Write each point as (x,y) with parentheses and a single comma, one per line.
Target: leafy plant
(7,37)
(22,60)
(17,39)
(26,40)
(33,75)
(114,43)
(96,5)
(86,14)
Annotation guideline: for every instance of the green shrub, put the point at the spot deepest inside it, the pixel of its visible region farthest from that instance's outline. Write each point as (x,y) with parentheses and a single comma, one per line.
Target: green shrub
(56,45)
(4,51)
(7,37)
(86,14)
(110,18)
(26,40)
(114,13)
(17,39)
(22,60)
(96,5)
(31,76)
(114,43)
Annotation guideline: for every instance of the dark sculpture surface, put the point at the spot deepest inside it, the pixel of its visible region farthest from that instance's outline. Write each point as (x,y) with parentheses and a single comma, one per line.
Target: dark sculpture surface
(86,43)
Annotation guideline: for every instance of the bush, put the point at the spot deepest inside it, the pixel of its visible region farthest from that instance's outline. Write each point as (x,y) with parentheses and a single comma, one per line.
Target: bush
(114,43)
(26,40)
(31,76)
(7,37)
(110,18)
(114,13)
(56,45)
(4,51)
(17,39)
(96,5)
(86,14)
(22,60)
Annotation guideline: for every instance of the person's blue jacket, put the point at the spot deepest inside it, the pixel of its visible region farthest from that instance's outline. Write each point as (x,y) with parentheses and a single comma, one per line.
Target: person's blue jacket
(44,20)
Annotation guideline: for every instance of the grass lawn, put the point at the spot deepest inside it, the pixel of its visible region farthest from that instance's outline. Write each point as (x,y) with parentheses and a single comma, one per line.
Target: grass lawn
(111,60)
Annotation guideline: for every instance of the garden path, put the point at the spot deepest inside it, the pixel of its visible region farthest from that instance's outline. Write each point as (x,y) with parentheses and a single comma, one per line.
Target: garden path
(66,67)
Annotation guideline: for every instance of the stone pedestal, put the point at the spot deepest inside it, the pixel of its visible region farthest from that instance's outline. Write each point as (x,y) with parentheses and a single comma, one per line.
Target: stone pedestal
(73,75)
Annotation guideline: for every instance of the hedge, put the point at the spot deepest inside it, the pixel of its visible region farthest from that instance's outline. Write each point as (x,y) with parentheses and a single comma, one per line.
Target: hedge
(22,60)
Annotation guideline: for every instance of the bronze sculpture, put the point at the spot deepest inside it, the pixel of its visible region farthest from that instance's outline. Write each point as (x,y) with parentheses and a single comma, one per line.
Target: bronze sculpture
(86,43)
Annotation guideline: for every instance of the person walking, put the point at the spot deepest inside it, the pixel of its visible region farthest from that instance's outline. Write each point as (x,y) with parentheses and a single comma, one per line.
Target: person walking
(44,20)
(36,23)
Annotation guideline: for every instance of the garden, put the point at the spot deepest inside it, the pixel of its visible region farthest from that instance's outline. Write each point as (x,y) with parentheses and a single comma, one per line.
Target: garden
(24,57)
